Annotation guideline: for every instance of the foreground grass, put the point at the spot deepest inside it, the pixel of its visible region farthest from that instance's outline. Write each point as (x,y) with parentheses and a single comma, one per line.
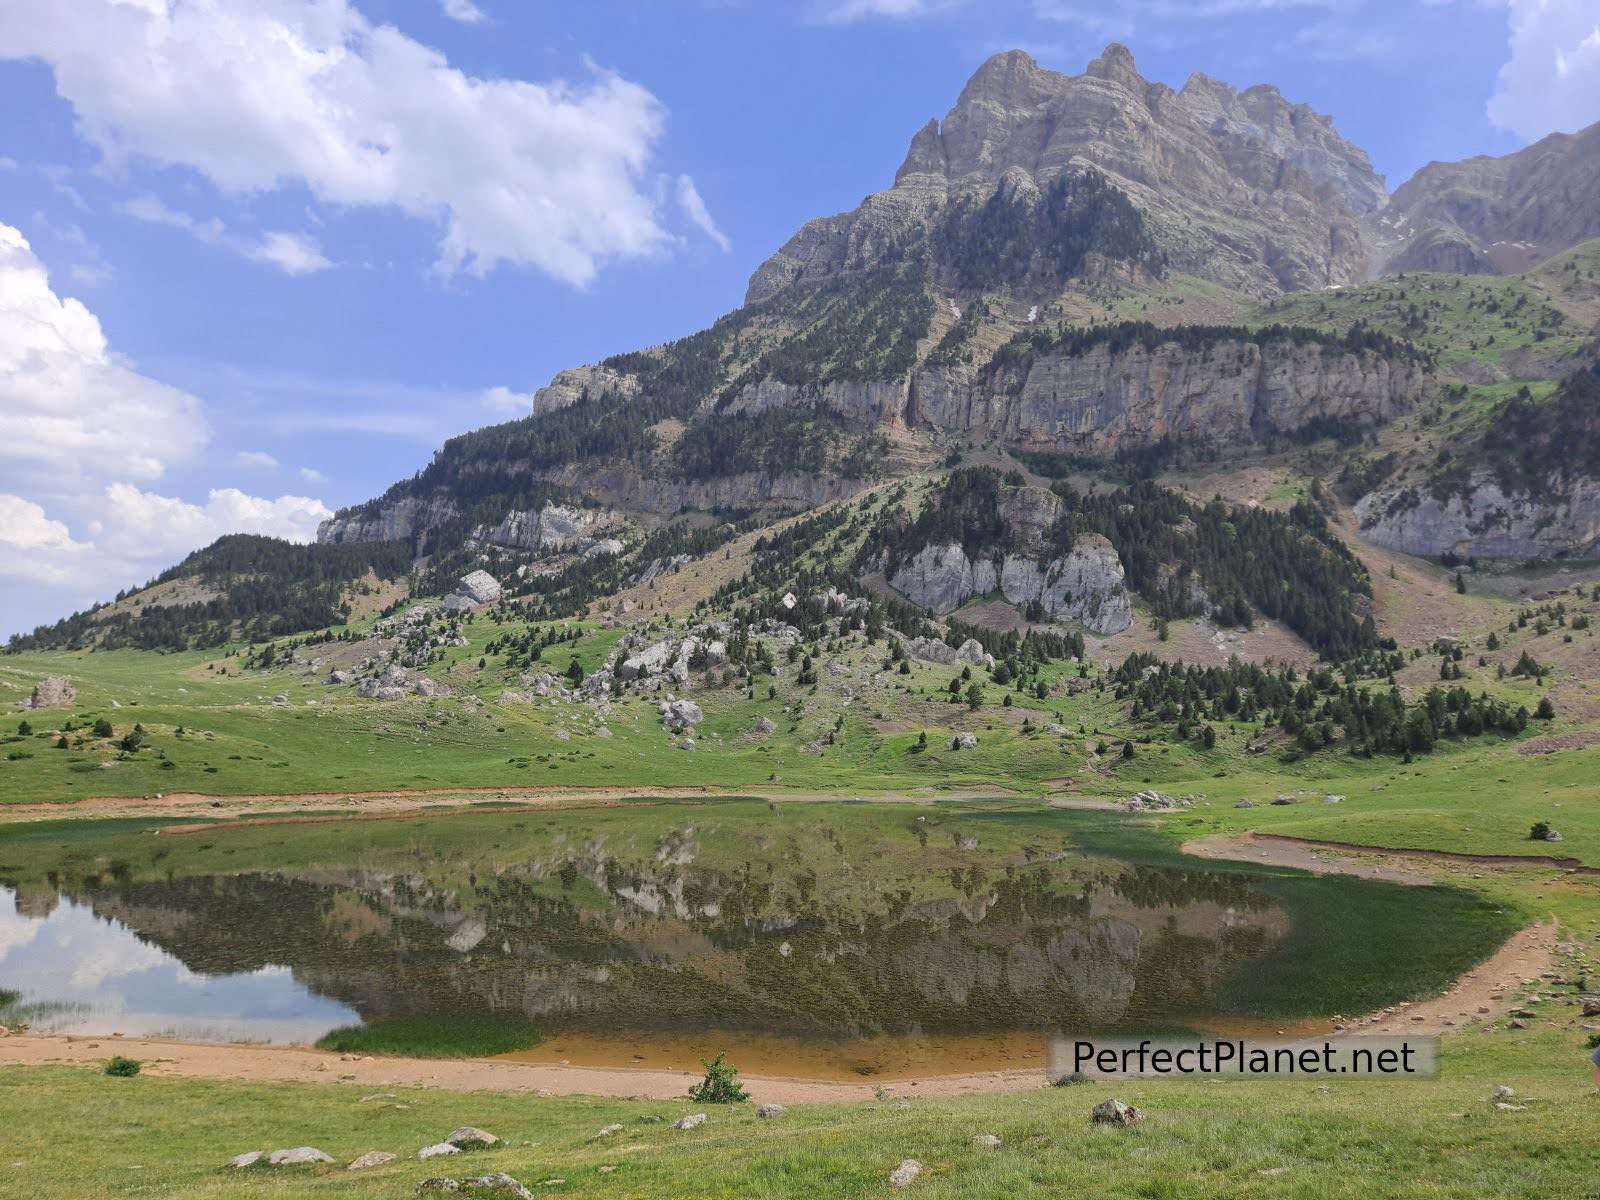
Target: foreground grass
(73,1133)
(466,1036)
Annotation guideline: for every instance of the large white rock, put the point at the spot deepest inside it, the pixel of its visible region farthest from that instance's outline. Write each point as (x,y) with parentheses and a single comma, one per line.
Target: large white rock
(299,1156)
(475,589)
(681,714)
(54,691)
(652,660)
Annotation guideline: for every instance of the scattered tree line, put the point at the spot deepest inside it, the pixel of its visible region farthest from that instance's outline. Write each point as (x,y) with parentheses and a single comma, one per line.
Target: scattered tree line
(1316,709)
(264,588)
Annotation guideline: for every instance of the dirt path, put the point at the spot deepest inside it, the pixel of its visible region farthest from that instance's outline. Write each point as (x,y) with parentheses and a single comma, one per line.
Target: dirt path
(421,802)
(1278,849)
(1304,856)
(1485,993)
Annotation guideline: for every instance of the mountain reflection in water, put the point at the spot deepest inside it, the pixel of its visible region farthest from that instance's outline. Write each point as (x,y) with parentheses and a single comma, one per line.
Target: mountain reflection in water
(588,944)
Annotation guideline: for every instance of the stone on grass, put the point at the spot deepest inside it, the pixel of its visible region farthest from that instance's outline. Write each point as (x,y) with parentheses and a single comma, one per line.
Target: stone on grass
(681,714)
(240,1161)
(986,1141)
(495,1186)
(767,1111)
(964,741)
(1501,1092)
(1245,804)
(608,1131)
(299,1156)
(54,691)
(690,1122)
(902,1175)
(437,1149)
(372,1158)
(469,1137)
(1115,1112)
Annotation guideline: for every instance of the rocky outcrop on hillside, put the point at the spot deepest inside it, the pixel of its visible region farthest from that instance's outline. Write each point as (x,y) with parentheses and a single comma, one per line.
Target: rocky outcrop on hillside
(380,521)
(54,691)
(1482,520)
(1228,393)
(1245,189)
(1086,584)
(1488,215)
(595,382)
(476,589)
(555,527)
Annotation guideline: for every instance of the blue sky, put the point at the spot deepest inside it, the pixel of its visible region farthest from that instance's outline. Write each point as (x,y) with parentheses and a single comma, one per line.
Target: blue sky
(259,257)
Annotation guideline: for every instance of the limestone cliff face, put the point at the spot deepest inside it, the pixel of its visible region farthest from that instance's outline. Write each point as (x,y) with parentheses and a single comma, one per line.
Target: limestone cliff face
(1231,393)
(400,520)
(1085,585)
(1245,188)
(568,387)
(554,527)
(1485,522)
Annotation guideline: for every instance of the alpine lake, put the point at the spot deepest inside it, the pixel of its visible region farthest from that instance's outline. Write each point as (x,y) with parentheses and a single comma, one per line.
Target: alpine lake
(805,939)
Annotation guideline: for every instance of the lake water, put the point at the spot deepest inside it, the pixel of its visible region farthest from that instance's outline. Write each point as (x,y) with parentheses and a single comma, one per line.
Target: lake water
(847,946)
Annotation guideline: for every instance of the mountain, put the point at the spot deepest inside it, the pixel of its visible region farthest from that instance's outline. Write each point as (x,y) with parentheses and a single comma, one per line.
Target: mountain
(1073,280)
(1497,215)
(1243,189)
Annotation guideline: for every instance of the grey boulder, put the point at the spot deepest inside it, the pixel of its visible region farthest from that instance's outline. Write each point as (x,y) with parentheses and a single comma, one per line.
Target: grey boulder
(298,1157)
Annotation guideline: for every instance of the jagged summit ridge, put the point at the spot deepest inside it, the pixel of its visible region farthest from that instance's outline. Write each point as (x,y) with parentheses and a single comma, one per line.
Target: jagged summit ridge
(1242,188)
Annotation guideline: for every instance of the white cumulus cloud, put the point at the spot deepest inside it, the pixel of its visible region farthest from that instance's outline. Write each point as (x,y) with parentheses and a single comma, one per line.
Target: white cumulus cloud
(144,526)
(255,460)
(69,408)
(34,547)
(257,95)
(80,431)
(1551,82)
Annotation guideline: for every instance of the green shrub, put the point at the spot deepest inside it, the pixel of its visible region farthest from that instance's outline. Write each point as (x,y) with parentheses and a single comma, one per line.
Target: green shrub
(435,1037)
(1072,1080)
(721,1084)
(1540,830)
(123,1068)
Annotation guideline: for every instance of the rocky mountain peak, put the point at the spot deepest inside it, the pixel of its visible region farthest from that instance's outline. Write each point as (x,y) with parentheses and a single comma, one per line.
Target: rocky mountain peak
(1201,165)
(1012,79)
(1115,65)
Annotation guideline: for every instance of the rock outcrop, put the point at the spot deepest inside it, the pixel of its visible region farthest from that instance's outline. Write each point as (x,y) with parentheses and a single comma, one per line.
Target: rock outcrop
(596,382)
(554,527)
(476,589)
(388,521)
(1482,521)
(1086,584)
(53,691)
